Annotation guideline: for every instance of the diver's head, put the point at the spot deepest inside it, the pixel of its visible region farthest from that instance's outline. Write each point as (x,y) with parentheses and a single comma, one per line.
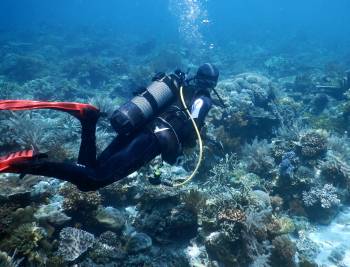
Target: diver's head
(207,76)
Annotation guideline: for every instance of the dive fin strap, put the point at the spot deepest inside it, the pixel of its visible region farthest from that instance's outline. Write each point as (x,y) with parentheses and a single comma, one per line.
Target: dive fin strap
(75,109)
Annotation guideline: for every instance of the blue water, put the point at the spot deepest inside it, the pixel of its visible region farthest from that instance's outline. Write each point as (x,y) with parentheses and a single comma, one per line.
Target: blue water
(218,22)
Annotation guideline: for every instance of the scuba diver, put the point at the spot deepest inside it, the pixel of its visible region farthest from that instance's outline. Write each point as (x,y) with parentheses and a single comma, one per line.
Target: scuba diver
(155,122)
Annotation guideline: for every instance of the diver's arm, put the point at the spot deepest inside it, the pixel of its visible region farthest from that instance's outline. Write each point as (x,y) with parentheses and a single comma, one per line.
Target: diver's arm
(200,108)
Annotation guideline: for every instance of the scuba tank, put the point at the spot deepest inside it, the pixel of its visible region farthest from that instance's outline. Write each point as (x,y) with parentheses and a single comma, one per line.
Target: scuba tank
(142,108)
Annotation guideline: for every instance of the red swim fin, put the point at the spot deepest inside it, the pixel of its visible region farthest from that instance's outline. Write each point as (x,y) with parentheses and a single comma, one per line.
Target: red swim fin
(6,162)
(75,109)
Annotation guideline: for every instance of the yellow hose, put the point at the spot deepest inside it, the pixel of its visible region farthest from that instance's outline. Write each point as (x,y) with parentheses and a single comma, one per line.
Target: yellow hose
(189,178)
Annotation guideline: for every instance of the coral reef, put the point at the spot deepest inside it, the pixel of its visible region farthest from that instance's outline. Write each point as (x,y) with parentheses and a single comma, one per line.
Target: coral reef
(274,180)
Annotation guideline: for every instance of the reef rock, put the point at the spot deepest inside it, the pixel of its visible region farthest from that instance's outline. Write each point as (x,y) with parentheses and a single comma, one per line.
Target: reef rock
(13,190)
(52,213)
(45,188)
(139,242)
(110,218)
(74,243)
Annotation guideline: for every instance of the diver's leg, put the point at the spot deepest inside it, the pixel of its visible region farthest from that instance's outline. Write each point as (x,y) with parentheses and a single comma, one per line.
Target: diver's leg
(116,145)
(141,149)
(85,113)
(83,177)
(87,151)
(28,162)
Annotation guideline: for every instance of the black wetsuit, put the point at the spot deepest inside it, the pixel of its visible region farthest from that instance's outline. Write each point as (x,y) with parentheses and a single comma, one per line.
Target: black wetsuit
(125,154)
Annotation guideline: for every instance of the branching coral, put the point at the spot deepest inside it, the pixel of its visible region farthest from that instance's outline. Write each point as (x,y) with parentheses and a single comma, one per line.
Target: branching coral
(291,130)
(222,173)
(326,197)
(336,166)
(230,221)
(336,170)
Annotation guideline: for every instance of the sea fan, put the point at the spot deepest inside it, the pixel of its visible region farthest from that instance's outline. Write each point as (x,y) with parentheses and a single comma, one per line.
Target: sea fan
(28,129)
